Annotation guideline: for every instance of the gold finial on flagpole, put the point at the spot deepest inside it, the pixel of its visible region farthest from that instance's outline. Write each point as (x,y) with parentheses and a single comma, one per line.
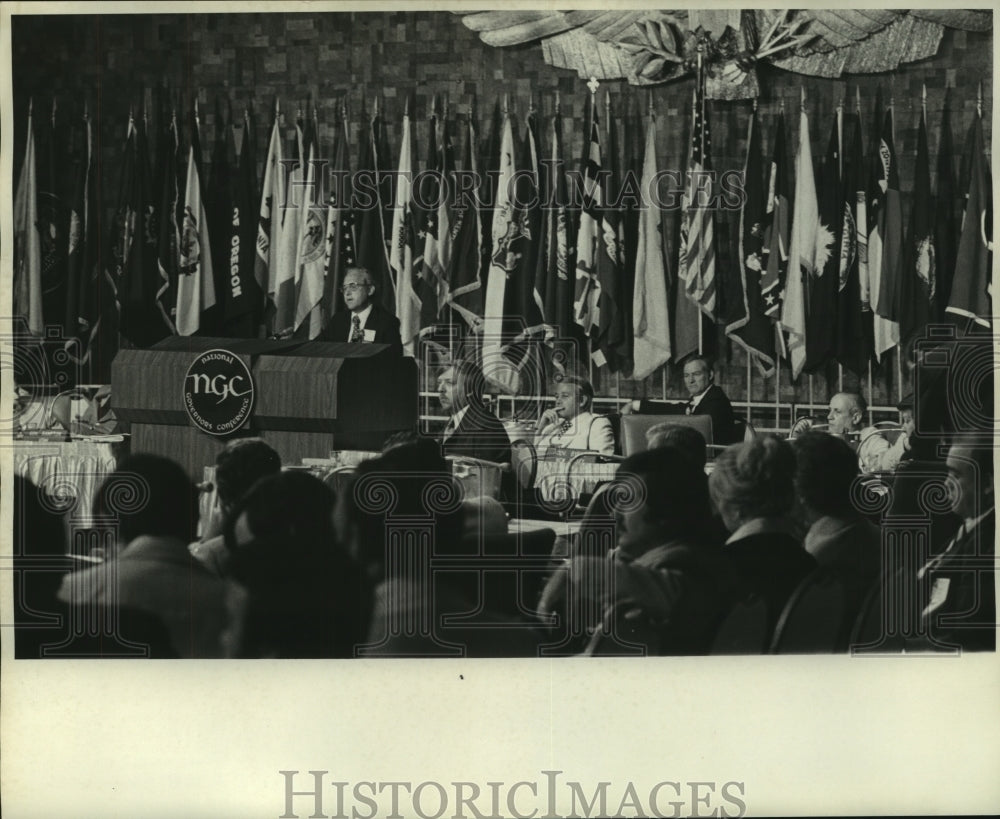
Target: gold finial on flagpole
(755,105)
(593,85)
(558,103)
(506,105)
(406,106)
(923,99)
(31,105)
(531,103)
(651,103)
(375,107)
(979,100)
(343,107)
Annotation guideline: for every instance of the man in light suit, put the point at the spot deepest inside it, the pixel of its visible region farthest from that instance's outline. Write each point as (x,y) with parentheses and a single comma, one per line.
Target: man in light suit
(365,321)
(706,398)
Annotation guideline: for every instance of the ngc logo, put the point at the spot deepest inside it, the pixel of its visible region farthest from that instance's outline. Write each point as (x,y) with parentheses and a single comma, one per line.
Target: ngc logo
(218,392)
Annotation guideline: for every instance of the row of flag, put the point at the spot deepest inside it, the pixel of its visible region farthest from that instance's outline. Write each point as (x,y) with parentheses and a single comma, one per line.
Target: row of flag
(824,271)
(830,272)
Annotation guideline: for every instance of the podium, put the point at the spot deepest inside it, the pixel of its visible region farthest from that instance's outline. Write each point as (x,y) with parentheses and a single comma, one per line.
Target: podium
(309,397)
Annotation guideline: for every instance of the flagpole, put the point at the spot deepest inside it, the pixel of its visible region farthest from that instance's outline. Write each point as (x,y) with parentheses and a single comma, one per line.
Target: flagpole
(698,79)
(777,393)
(593,86)
(840,174)
(899,344)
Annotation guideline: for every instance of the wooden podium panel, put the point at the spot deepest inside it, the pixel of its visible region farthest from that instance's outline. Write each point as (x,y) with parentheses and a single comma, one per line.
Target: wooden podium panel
(310,397)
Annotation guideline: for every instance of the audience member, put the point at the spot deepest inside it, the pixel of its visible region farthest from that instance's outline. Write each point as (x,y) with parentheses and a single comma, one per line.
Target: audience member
(846,418)
(238,466)
(46,626)
(752,487)
(662,567)
(839,538)
(402,512)
(959,582)
(685,439)
(306,596)
(571,424)
(472,429)
(149,568)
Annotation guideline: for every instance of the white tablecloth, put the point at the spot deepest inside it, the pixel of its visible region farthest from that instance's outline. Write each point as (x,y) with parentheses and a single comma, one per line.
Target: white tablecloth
(70,470)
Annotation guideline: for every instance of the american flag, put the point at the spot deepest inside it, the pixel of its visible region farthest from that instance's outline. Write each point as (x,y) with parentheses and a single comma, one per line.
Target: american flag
(697,251)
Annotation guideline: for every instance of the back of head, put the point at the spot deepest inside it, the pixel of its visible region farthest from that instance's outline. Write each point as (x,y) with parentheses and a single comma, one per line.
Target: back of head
(284,523)
(682,438)
(411,483)
(307,596)
(825,468)
(676,494)
(484,515)
(240,465)
(149,495)
(754,479)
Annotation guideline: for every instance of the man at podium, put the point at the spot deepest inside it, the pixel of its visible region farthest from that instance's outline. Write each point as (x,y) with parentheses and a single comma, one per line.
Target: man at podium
(364,321)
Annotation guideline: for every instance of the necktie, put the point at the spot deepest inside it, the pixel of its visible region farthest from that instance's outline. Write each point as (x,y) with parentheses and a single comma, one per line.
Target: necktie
(449,429)
(690,407)
(563,428)
(356,334)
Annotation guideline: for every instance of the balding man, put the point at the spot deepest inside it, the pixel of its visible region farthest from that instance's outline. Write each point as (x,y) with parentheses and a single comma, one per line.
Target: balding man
(364,321)
(846,417)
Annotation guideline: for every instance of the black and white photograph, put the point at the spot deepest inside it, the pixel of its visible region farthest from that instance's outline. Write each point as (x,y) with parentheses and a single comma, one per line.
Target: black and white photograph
(417,412)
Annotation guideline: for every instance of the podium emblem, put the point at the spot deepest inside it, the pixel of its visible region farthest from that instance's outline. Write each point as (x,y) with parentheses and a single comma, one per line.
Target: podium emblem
(218,392)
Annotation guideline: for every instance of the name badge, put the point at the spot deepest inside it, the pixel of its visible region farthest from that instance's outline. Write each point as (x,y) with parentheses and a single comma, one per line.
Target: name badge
(369,335)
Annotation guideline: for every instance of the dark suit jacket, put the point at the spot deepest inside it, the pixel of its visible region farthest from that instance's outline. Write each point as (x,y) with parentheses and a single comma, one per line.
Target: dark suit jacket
(480,434)
(714,403)
(384,323)
(771,565)
(967,616)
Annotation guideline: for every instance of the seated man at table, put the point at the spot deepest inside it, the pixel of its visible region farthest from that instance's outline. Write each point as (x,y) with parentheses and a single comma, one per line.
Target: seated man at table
(364,321)
(705,398)
(902,449)
(472,430)
(847,411)
(571,424)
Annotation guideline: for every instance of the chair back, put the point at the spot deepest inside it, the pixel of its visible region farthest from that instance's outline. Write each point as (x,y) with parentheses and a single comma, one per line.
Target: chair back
(524,463)
(812,620)
(477,477)
(635,427)
(744,630)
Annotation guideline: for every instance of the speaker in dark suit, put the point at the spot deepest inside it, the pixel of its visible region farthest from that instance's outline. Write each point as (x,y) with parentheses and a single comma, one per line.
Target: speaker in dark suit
(364,321)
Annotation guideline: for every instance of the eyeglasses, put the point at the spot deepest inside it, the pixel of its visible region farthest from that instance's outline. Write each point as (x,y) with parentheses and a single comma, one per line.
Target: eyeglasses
(353,288)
